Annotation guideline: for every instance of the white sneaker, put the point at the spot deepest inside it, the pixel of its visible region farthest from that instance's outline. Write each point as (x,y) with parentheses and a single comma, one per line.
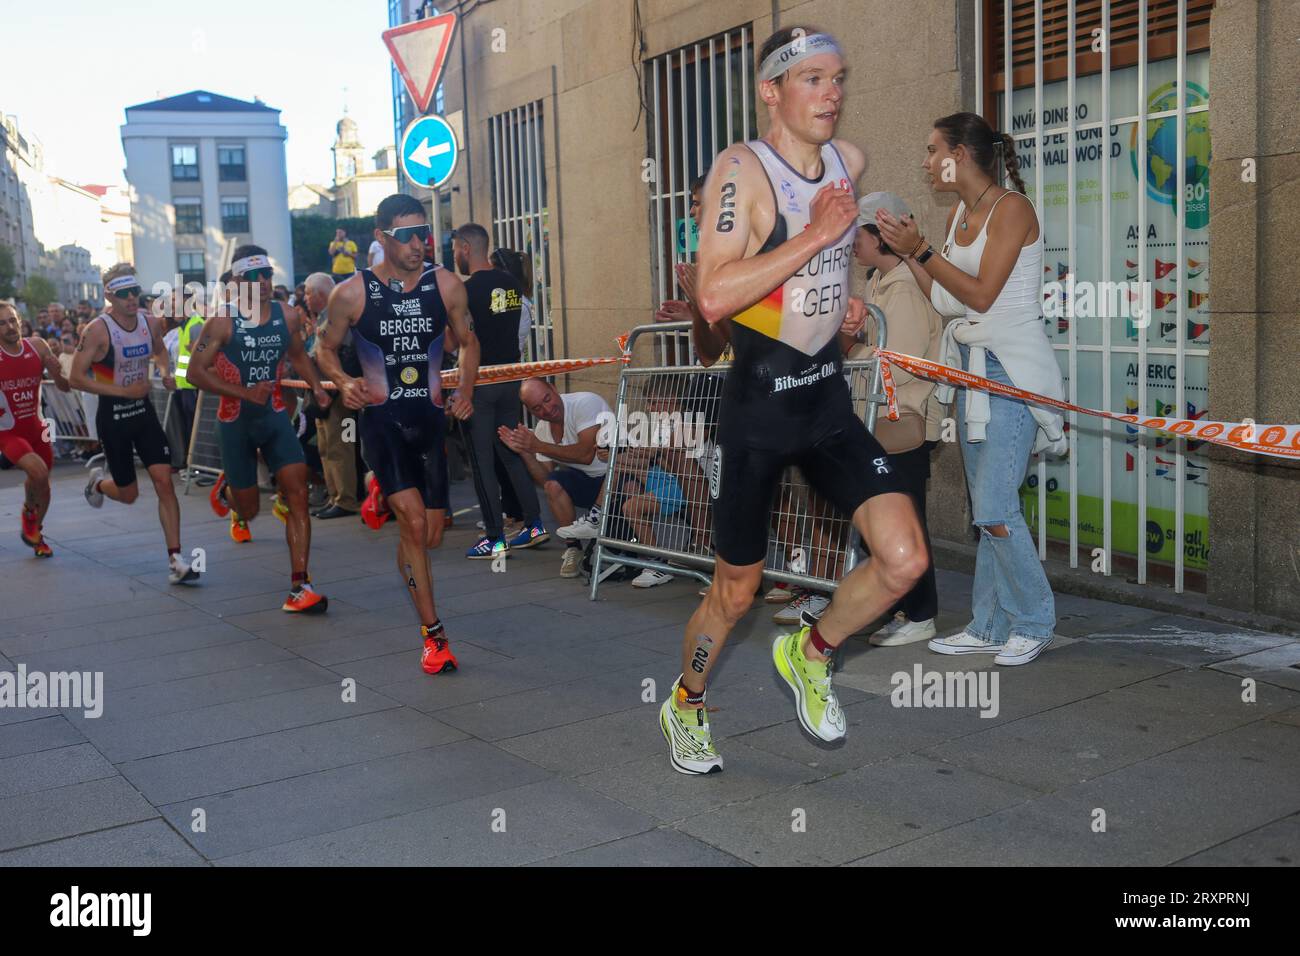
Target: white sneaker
(571,563)
(649,578)
(779,594)
(1020,650)
(893,624)
(94,497)
(805,602)
(178,572)
(584,529)
(897,633)
(963,643)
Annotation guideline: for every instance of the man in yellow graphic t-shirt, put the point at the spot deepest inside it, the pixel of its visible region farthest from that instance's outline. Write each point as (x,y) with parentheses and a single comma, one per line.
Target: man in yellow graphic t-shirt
(344,252)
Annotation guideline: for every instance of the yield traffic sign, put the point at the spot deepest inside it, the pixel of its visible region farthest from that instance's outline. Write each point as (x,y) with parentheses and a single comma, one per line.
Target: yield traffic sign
(419,51)
(429,151)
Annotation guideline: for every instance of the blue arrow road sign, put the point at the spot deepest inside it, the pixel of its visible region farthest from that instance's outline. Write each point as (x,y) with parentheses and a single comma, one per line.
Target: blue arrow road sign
(429,151)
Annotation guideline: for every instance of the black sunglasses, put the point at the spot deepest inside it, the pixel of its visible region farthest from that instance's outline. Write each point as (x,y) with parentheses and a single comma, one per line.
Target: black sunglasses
(127,293)
(405,234)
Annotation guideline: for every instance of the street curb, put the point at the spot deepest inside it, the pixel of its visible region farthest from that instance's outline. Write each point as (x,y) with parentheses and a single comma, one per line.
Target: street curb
(957,556)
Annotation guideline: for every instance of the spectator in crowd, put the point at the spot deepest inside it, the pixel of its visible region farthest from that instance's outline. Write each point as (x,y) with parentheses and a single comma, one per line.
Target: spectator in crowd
(495,301)
(85,311)
(914,328)
(992,286)
(521,267)
(299,295)
(69,343)
(560,453)
(186,318)
(376,253)
(42,320)
(343,255)
(281,294)
(338,457)
(56,313)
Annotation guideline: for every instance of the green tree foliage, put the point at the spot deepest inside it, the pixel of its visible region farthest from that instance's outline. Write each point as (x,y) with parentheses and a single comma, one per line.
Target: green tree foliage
(8,272)
(312,236)
(38,293)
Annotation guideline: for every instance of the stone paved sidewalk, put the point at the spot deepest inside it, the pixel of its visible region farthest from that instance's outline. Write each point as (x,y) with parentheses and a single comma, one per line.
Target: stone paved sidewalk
(541,749)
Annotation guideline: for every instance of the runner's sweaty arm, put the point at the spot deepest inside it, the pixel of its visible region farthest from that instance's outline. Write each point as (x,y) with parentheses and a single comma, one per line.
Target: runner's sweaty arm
(52,367)
(213,337)
(731,277)
(346,303)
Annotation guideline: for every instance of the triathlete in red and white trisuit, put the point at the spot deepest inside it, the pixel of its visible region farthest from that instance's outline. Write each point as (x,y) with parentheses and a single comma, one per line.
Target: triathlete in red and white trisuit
(24,438)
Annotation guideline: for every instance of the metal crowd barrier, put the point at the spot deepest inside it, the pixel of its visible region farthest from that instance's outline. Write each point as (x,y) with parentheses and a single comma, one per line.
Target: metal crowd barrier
(204,457)
(67,416)
(809,543)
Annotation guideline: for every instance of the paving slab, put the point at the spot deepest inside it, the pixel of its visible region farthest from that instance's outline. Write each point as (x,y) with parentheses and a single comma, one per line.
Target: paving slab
(249,761)
(331,800)
(151,843)
(33,818)
(511,827)
(42,733)
(650,784)
(48,769)
(1157,812)
(658,847)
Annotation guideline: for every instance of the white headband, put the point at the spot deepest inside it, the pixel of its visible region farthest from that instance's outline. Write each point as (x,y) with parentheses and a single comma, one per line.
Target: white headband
(248,263)
(122,282)
(796,51)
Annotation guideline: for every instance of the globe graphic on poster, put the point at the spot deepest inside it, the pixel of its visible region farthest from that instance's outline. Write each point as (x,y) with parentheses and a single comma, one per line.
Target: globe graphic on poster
(1162,153)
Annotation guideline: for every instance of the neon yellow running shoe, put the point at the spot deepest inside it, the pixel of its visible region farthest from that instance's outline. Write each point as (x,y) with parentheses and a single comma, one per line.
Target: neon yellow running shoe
(815,702)
(280,509)
(690,744)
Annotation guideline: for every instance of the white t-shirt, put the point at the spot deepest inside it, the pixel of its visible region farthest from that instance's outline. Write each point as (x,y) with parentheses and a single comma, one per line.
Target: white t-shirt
(582,410)
(376,253)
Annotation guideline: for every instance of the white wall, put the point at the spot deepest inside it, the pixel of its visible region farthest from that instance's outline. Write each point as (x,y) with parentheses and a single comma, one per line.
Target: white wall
(145,139)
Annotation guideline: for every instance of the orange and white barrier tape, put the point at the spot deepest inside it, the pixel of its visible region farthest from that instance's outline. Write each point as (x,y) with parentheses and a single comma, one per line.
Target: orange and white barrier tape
(493,374)
(1278,441)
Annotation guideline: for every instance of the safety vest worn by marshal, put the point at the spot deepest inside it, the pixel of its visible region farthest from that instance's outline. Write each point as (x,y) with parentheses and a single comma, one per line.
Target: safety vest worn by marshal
(185,341)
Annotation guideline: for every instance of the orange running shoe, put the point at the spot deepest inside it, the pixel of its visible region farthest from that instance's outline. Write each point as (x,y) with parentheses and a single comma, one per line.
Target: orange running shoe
(304,600)
(217,499)
(42,549)
(239,532)
(31,532)
(437,657)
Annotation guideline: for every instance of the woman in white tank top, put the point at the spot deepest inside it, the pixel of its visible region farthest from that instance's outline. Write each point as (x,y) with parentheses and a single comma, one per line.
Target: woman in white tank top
(988,275)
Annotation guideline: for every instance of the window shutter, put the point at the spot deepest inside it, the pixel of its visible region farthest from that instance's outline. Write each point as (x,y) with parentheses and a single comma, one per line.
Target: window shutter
(1162,38)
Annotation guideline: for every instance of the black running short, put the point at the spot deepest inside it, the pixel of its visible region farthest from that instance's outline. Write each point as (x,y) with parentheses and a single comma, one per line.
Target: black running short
(406,450)
(839,458)
(126,429)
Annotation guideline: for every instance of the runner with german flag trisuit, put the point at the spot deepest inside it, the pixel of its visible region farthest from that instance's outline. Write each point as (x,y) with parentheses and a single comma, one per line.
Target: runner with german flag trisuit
(776,251)
(402,315)
(112,361)
(242,359)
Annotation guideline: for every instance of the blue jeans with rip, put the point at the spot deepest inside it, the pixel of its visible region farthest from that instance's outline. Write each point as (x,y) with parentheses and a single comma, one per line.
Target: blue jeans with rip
(1011,594)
